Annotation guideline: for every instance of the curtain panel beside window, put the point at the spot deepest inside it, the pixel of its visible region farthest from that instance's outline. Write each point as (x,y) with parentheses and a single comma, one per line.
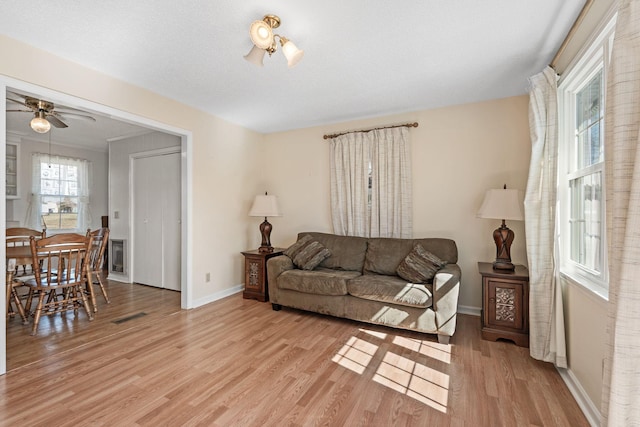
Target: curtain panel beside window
(371,191)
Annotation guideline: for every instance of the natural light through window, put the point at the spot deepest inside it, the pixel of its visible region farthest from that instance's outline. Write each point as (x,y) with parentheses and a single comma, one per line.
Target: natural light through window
(415,380)
(398,371)
(436,351)
(355,355)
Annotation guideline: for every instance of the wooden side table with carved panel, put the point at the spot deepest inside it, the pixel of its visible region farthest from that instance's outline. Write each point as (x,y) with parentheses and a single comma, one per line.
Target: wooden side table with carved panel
(505,304)
(256,284)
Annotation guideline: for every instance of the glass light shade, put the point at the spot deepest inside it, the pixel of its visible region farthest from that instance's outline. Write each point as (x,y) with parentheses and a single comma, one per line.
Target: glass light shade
(501,204)
(40,124)
(292,53)
(265,205)
(255,56)
(261,34)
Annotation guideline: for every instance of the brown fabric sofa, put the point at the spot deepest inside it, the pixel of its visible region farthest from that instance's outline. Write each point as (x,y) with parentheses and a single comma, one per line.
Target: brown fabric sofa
(358,281)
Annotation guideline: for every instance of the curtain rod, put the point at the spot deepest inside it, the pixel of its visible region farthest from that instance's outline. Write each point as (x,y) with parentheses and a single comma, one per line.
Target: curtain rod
(408,125)
(571,32)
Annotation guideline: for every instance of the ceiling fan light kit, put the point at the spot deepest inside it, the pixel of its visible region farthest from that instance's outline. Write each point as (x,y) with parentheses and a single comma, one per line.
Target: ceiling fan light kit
(39,123)
(45,113)
(264,40)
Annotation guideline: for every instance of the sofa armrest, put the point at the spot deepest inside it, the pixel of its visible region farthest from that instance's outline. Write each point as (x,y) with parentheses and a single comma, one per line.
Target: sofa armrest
(446,287)
(275,267)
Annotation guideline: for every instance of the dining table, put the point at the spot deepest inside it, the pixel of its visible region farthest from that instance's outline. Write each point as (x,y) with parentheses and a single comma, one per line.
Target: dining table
(22,256)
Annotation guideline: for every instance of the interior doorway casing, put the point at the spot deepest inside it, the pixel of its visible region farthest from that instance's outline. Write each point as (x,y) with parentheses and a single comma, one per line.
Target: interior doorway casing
(186,149)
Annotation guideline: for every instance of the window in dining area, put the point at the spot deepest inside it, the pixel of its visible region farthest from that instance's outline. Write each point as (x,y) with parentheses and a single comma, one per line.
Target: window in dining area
(60,193)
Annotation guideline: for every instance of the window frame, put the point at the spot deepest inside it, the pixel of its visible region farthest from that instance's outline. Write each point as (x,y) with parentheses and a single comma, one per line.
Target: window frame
(595,58)
(60,195)
(83,182)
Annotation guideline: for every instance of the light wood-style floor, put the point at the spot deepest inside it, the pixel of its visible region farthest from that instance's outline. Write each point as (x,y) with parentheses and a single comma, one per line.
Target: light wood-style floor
(236,362)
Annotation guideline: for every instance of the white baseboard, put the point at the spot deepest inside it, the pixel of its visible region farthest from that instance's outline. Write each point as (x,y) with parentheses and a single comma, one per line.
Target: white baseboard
(118,277)
(218,295)
(473,311)
(580,395)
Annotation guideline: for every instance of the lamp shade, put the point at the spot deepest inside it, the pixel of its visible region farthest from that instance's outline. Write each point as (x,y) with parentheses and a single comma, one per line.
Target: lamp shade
(265,205)
(261,34)
(256,56)
(292,53)
(501,204)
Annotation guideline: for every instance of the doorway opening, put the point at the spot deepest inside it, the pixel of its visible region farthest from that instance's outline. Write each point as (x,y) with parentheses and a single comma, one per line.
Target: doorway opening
(185,149)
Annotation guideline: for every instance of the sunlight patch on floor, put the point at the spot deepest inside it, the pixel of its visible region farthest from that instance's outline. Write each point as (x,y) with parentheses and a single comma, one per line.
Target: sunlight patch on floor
(441,352)
(379,335)
(399,373)
(355,355)
(415,380)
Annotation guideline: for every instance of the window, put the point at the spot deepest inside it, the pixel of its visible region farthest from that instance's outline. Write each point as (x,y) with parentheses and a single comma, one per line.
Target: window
(60,193)
(581,166)
(59,196)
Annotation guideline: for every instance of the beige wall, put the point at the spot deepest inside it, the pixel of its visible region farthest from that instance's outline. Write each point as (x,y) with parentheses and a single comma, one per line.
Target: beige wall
(225,158)
(458,153)
(586,315)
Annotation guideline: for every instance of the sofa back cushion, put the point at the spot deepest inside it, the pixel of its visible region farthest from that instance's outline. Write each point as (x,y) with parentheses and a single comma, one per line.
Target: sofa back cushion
(384,255)
(347,252)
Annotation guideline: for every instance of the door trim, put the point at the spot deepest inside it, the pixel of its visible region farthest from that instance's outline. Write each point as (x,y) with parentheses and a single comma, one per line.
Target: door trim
(186,286)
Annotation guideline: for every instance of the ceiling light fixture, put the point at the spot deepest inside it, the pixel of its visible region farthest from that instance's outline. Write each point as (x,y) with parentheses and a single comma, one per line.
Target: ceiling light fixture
(39,123)
(264,40)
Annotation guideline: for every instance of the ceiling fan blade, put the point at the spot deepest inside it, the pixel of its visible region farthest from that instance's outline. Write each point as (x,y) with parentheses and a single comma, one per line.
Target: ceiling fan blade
(16,101)
(56,121)
(74,116)
(19,111)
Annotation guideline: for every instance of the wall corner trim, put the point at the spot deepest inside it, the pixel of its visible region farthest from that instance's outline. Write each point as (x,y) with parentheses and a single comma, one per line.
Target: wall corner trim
(472,311)
(591,412)
(218,295)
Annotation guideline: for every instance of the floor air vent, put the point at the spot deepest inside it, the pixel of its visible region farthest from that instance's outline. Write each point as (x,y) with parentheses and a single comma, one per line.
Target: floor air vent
(126,319)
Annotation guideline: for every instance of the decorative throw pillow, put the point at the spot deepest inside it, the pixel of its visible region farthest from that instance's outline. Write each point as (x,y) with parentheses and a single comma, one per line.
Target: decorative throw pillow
(307,253)
(419,266)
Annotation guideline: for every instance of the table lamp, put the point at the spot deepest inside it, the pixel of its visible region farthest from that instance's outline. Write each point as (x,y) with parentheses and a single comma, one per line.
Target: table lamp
(265,206)
(502,204)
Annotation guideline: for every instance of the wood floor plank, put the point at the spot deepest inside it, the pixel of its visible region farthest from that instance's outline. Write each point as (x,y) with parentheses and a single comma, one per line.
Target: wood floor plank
(237,362)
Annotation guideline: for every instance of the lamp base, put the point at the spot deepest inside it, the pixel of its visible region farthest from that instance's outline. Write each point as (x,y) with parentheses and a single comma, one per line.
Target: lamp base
(265,231)
(503,238)
(503,265)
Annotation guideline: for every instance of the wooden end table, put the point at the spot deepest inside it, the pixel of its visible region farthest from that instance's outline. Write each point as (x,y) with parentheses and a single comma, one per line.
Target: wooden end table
(256,282)
(505,304)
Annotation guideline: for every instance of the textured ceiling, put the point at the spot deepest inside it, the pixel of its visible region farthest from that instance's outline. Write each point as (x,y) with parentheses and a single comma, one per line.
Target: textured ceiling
(362,58)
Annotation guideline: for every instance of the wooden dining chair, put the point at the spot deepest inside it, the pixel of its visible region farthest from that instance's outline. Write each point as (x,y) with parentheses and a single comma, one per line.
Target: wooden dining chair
(60,275)
(100,238)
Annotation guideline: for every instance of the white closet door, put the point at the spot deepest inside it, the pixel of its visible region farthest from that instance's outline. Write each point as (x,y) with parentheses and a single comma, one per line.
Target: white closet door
(171,221)
(156,221)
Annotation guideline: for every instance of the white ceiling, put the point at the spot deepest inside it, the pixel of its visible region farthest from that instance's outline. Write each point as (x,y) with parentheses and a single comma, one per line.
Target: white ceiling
(362,58)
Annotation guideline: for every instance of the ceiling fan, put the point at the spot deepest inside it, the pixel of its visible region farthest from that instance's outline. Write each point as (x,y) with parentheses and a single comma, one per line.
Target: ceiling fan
(45,113)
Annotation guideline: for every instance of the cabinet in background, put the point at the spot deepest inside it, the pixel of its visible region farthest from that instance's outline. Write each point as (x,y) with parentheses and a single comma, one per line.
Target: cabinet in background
(11,172)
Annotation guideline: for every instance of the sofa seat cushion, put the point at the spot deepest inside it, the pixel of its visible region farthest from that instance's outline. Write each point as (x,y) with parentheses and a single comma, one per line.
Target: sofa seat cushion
(391,289)
(322,281)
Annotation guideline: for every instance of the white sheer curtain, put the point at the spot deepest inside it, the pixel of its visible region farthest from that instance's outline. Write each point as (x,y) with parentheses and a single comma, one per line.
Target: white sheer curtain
(380,207)
(81,191)
(546,313)
(621,388)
